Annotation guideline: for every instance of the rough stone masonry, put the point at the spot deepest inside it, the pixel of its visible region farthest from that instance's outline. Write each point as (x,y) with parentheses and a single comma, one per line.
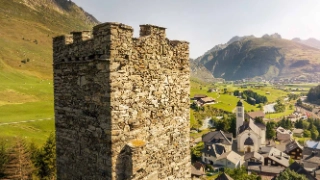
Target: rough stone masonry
(121,104)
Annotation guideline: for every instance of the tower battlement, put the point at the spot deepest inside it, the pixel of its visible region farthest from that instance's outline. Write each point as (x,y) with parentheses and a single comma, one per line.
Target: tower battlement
(121,104)
(115,41)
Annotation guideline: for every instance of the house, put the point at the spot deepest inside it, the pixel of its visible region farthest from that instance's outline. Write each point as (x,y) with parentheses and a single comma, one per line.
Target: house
(250,135)
(224,176)
(198,170)
(253,159)
(207,100)
(283,134)
(274,157)
(230,160)
(294,150)
(199,96)
(215,144)
(256,114)
(298,168)
(266,171)
(310,159)
(298,132)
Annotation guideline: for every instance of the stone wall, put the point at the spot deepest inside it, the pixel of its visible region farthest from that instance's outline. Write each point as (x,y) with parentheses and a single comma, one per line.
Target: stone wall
(121,104)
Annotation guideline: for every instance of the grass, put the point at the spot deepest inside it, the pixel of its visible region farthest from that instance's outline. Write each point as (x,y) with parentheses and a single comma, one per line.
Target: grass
(36,132)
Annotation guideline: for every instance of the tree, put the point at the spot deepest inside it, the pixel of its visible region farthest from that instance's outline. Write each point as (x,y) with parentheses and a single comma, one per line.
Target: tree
(290,175)
(19,163)
(3,157)
(306,133)
(196,151)
(270,132)
(299,102)
(240,174)
(314,133)
(259,120)
(44,159)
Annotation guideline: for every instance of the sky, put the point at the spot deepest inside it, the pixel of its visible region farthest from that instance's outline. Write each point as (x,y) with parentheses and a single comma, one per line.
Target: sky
(206,23)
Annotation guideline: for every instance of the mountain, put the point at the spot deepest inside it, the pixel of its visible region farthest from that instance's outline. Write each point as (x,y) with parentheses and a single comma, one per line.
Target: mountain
(269,56)
(27,28)
(26,31)
(220,47)
(198,71)
(312,42)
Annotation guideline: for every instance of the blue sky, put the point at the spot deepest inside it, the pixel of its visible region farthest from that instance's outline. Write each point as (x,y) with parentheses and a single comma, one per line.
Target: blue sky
(206,23)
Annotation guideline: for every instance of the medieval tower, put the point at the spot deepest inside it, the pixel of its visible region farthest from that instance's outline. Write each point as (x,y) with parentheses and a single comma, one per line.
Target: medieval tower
(121,104)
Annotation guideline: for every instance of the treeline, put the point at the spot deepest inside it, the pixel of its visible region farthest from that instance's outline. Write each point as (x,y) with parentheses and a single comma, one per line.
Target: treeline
(251,97)
(26,161)
(310,126)
(313,95)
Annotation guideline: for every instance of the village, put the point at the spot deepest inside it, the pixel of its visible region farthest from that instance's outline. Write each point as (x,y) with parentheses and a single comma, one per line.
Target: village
(252,149)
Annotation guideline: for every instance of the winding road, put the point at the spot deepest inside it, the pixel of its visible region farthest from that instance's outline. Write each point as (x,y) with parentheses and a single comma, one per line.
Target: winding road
(18,122)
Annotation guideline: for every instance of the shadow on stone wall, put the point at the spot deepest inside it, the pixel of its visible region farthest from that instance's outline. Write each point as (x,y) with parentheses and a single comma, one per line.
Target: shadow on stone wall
(124,168)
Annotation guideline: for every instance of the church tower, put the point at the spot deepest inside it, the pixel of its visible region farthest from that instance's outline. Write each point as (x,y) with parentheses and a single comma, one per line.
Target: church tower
(239,115)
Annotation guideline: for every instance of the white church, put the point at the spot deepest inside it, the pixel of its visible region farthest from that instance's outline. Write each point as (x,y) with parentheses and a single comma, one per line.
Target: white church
(250,135)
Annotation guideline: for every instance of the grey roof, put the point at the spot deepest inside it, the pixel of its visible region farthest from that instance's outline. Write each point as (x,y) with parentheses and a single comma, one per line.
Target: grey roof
(313,144)
(199,96)
(297,131)
(311,158)
(197,172)
(230,156)
(301,170)
(266,169)
(255,127)
(223,176)
(217,137)
(248,141)
(214,150)
(277,156)
(293,145)
(255,155)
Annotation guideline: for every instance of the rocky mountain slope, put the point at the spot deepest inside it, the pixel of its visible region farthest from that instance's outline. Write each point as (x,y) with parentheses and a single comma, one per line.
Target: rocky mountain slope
(27,28)
(312,42)
(200,72)
(269,56)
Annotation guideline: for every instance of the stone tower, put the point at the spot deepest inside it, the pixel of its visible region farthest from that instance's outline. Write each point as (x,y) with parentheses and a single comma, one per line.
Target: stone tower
(121,104)
(239,116)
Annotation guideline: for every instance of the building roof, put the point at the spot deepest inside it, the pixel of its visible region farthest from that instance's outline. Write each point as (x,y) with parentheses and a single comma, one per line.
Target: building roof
(230,156)
(248,141)
(311,158)
(214,150)
(199,96)
(223,176)
(255,155)
(207,99)
(256,114)
(252,126)
(239,103)
(276,155)
(313,144)
(297,131)
(301,170)
(283,131)
(266,169)
(217,137)
(197,172)
(293,145)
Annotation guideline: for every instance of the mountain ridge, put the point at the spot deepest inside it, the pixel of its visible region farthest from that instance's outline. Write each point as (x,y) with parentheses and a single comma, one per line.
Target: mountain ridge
(268,56)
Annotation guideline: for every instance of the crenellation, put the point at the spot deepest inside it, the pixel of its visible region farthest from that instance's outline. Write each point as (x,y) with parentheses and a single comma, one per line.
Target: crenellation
(113,89)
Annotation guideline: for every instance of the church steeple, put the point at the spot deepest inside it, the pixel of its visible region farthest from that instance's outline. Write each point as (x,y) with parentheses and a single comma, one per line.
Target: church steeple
(239,115)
